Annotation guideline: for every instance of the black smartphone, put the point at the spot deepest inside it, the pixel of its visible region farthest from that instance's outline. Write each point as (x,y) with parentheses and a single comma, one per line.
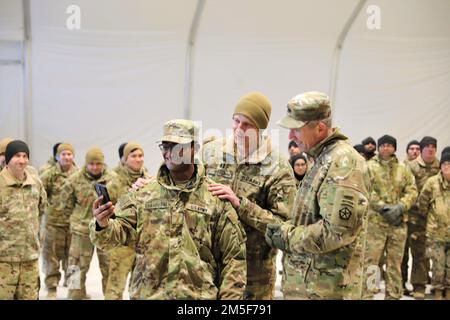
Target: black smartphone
(102,191)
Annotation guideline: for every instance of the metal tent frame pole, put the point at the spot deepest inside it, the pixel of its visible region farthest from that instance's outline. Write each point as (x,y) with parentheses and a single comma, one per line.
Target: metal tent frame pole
(187,113)
(26,69)
(337,52)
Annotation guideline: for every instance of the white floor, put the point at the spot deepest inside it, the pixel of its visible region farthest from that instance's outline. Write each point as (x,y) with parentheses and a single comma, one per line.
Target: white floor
(94,287)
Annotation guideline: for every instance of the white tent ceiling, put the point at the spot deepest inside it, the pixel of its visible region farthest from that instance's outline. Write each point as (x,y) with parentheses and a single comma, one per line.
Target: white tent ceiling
(124,72)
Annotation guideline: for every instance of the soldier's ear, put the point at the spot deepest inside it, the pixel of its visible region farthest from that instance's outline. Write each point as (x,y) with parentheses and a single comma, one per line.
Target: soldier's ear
(322,127)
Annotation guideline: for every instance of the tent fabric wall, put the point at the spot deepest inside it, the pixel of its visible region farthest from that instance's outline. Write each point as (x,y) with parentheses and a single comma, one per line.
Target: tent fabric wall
(396,80)
(122,74)
(11,73)
(116,79)
(254,45)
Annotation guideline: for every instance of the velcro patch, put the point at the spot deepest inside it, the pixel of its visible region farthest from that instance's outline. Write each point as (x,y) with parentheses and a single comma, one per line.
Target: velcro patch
(250,180)
(152,205)
(197,208)
(345,213)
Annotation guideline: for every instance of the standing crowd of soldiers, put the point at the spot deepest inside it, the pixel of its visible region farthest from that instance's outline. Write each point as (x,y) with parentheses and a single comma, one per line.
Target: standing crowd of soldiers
(209,223)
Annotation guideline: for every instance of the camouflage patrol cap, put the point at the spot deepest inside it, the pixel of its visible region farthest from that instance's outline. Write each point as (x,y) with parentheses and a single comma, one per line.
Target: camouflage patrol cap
(306,107)
(179,131)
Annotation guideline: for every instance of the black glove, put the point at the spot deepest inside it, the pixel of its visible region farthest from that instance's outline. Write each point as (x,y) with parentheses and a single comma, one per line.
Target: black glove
(393,213)
(274,238)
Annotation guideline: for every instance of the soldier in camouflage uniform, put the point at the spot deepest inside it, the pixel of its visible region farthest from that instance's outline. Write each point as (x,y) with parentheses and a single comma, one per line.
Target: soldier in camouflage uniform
(259,183)
(22,202)
(435,200)
(369,147)
(325,238)
(56,232)
(78,195)
(393,192)
(121,258)
(189,244)
(412,151)
(424,167)
(52,161)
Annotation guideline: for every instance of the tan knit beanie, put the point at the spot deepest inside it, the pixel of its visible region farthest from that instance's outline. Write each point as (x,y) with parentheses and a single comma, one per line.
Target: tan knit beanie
(130,147)
(95,155)
(256,107)
(65,146)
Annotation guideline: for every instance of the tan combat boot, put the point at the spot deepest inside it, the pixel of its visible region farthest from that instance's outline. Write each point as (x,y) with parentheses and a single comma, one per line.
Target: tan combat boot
(51,294)
(419,293)
(438,294)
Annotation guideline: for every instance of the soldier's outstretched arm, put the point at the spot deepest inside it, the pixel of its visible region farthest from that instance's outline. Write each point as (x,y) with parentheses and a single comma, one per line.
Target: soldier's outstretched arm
(108,233)
(343,205)
(230,253)
(280,199)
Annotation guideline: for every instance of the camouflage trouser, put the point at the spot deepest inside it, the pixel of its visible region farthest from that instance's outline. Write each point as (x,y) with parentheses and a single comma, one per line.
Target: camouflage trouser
(261,276)
(439,253)
(55,249)
(420,264)
(19,280)
(292,281)
(380,237)
(121,260)
(80,256)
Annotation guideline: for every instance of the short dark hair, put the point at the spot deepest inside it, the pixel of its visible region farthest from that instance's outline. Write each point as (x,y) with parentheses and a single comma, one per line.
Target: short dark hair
(292,143)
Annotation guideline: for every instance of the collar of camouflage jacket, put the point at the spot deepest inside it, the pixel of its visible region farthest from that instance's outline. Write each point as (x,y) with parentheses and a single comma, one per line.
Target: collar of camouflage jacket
(67,173)
(444,183)
(164,179)
(392,160)
(261,153)
(331,139)
(422,163)
(12,181)
(133,175)
(91,178)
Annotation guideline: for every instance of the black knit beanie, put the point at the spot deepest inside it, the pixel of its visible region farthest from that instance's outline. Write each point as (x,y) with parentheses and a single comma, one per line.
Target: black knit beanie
(412,142)
(369,140)
(387,139)
(14,147)
(121,147)
(445,150)
(445,157)
(426,141)
(55,149)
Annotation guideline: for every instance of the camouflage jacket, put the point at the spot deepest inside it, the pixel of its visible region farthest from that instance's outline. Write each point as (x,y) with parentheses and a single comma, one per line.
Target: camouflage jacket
(391,182)
(326,236)
(122,182)
(189,244)
(49,164)
(21,205)
(78,195)
(421,172)
(435,200)
(265,185)
(53,180)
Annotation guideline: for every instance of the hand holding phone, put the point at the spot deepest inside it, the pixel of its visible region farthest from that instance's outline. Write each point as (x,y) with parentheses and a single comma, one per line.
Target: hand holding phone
(102,191)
